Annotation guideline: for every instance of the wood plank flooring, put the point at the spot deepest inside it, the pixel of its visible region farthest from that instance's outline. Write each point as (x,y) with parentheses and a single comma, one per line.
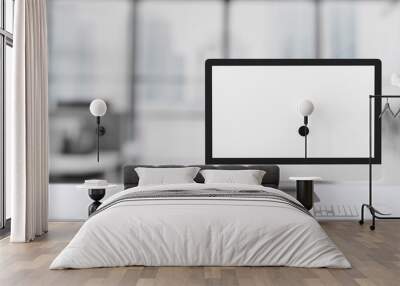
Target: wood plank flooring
(375,257)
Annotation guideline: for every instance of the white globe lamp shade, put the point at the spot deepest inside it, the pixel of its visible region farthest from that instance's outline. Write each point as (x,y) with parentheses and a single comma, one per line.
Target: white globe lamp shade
(306,107)
(98,107)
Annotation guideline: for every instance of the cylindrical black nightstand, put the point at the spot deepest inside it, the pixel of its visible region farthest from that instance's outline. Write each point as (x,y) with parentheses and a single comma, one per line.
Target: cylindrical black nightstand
(96,193)
(305,190)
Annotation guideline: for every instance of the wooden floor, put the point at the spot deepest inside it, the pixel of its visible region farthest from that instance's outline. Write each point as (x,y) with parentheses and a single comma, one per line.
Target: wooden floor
(375,257)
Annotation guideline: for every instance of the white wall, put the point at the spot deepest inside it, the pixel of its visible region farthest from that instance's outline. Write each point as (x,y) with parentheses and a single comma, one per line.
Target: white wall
(67,203)
(170,137)
(173,139)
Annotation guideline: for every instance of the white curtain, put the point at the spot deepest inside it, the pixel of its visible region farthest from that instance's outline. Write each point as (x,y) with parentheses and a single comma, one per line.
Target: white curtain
(27,123)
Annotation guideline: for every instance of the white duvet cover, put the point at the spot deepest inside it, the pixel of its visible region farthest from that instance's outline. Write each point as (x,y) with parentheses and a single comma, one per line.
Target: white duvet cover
(200,231)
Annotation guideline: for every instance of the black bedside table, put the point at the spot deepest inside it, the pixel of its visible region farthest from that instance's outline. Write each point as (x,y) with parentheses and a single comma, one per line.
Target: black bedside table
(96,193)
(305,190)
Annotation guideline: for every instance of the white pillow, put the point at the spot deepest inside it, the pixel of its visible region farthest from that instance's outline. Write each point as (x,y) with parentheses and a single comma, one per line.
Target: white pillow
(248,177)
(165,176)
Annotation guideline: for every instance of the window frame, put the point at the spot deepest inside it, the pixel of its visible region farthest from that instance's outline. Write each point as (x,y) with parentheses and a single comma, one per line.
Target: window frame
(6,39)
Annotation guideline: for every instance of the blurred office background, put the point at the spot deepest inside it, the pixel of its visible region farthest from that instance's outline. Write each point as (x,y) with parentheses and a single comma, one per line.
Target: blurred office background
(146,59)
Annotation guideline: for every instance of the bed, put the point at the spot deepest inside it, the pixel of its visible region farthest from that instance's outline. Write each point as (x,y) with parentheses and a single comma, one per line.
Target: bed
(198,224)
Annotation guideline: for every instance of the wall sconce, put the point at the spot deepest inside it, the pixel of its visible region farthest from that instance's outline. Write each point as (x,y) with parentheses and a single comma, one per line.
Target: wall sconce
(306,107)
(98,108)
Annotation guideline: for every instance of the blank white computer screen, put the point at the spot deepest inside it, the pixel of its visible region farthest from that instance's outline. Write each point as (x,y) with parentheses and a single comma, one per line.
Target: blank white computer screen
(255,114)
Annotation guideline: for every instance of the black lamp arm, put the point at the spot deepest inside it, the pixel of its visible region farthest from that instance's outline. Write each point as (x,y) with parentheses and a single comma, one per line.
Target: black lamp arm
(303,131)
(100,131)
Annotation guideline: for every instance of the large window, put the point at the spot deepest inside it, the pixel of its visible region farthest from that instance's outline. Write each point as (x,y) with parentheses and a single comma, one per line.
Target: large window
(272,29)
(363,29)
(6,43)
(146,59)
(173,39)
